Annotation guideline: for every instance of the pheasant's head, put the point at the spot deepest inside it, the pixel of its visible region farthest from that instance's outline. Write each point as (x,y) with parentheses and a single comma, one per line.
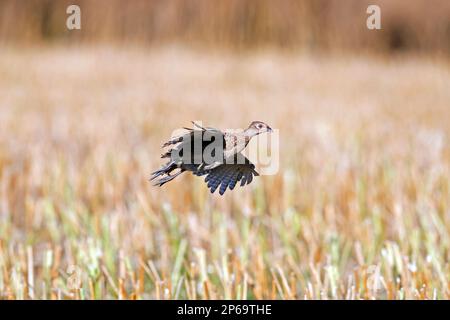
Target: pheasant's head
(257,127)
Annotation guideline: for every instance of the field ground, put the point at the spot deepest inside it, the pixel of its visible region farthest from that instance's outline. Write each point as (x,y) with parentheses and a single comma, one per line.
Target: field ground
(360,208)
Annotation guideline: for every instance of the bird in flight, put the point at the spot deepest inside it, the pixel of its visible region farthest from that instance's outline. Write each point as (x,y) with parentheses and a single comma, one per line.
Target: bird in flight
(212,153)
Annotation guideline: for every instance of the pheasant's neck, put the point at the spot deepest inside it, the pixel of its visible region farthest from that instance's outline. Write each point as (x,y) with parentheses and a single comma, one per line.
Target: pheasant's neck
(250,133)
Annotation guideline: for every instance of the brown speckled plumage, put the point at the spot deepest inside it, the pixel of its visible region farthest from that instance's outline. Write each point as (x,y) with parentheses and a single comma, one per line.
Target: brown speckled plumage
(221,174)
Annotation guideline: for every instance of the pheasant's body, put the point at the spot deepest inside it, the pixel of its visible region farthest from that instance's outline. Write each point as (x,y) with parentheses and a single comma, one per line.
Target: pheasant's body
(235,142)
(211,152)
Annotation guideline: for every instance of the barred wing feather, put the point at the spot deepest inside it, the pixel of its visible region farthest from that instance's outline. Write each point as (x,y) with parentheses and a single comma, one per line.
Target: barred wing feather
(228,175)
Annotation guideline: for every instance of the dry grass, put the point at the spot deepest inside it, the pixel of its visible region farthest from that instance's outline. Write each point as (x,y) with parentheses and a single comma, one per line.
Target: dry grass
(307,25)
(360,208)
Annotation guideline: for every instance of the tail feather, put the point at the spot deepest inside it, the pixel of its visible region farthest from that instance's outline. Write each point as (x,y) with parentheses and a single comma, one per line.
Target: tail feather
(164,170)
(167,178)
(174,140)
(167,154)
(164,174)
(198,126)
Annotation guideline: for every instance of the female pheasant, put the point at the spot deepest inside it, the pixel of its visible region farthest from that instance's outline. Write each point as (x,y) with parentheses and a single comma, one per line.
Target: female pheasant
(211,152)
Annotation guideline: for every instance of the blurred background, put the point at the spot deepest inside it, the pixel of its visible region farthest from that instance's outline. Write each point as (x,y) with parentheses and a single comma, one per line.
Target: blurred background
(360,208)
(306,25)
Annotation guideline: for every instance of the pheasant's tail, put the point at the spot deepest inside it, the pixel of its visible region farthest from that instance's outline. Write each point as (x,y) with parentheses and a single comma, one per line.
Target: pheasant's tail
(198,126)
(166,169)
(167,154)
(167,178)
(164,174)
(174,140)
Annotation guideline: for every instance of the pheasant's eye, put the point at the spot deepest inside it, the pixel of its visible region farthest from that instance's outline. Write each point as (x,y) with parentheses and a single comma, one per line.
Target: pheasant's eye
(259,126)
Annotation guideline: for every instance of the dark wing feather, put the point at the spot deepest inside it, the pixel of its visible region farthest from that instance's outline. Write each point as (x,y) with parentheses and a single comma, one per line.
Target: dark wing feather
(229,171)
(227,176)
(216,178)
(249,177)
(244,179)
(233,179)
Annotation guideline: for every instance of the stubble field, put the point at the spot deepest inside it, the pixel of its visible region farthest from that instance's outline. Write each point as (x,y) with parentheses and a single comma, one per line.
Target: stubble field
(360,207)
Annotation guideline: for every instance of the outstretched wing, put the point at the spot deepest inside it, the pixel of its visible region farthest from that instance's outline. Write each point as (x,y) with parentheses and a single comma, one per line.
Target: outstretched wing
(196,147)
(228,175)
(189,135)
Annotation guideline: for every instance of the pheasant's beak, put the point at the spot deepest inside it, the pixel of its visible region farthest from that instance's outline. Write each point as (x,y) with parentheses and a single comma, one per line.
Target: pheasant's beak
(269,129)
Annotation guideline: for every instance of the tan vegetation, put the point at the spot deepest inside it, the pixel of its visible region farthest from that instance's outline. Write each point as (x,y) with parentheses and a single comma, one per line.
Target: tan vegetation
(308,25)
(360,208)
